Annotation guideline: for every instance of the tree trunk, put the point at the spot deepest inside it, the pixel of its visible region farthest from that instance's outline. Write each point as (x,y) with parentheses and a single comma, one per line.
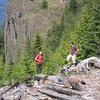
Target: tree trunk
(55,94)
(65,90)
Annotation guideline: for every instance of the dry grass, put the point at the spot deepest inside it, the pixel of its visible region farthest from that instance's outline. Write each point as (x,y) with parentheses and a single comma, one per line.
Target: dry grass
(37,17)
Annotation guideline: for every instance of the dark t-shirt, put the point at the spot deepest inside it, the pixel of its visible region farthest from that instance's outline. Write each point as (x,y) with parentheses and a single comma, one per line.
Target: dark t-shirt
(73,50)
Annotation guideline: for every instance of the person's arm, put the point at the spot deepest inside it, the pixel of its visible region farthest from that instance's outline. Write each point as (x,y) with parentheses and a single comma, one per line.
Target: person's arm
(76,51)
(36,58)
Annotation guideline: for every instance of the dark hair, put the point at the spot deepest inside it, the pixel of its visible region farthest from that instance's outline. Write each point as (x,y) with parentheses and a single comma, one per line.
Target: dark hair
(72,43)
(40,49)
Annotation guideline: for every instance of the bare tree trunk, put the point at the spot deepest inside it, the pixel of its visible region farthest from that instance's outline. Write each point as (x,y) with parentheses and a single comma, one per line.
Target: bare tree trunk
(55,94)
(65,90)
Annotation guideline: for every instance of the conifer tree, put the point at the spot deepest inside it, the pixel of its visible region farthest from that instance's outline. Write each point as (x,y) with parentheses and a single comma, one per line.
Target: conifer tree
(2,67)
(54,36)
(38,43)
(95,28)
(1,43)
(88,31)
(73,6)
(44,4)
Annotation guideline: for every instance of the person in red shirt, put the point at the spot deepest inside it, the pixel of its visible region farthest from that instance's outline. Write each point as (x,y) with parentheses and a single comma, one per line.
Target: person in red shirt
(39,59)
(72,54)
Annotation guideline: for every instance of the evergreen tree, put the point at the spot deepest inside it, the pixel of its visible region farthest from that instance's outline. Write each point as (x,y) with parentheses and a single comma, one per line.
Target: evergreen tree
(73,6)
(2,68)
(44,4)
(54,36)
(88,31)
(37,43)
(95,28)
(2,43)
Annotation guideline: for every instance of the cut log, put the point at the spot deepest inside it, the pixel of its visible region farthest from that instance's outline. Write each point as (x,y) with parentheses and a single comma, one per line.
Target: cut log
(97,65)
(75,83)
(59,85)
(63,85)
(55,94)
(43,97)
(28,97)
(14,85)
(55,79)
(65,90)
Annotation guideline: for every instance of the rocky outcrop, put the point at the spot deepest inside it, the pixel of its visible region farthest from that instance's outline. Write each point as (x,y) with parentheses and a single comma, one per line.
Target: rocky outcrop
(83,66)
(23,18)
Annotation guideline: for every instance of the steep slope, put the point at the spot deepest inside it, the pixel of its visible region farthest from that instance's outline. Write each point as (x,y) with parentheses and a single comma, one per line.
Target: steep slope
(55,87)
(24,18)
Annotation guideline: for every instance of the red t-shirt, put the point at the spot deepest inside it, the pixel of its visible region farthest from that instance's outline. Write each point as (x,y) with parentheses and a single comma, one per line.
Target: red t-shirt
(40,58)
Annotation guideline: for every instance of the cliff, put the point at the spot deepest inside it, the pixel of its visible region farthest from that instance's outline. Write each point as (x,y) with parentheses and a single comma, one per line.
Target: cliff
(23,18)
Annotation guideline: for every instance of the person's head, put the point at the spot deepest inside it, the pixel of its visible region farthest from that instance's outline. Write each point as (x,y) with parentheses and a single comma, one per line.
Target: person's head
(40,52)
(72,43)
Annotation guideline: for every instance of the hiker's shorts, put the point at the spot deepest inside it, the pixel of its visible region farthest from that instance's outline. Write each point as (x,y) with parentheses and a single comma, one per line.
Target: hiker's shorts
(73,57)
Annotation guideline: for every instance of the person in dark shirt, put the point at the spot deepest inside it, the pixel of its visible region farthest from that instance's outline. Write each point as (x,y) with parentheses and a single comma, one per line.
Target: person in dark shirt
(38,59)
(72,54)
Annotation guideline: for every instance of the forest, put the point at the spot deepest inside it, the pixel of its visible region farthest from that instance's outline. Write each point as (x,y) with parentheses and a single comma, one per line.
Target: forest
(80,23)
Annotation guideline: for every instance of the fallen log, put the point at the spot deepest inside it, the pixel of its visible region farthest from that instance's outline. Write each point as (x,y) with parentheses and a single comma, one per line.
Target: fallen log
(75,83)
(97,65)
(55,94)
(59,85)
(14,85)
(65,90)
(55,79)
(62,85)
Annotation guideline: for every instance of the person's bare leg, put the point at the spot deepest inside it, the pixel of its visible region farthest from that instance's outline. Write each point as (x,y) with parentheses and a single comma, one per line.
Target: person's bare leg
(74,59)
(68,58)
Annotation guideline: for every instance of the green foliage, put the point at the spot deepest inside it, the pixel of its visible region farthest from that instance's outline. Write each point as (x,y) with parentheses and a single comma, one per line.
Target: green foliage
(73,6)
(86,32)
(2,68)
(23,67)
(44,4)
(80,23)
(53,37)
(2,43)
(38,43)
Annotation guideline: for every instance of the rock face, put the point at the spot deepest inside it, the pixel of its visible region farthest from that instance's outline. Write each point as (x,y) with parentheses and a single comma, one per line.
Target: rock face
(23,19)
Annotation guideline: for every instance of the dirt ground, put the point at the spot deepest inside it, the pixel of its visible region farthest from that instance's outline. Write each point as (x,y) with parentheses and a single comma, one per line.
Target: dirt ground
(92,87)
